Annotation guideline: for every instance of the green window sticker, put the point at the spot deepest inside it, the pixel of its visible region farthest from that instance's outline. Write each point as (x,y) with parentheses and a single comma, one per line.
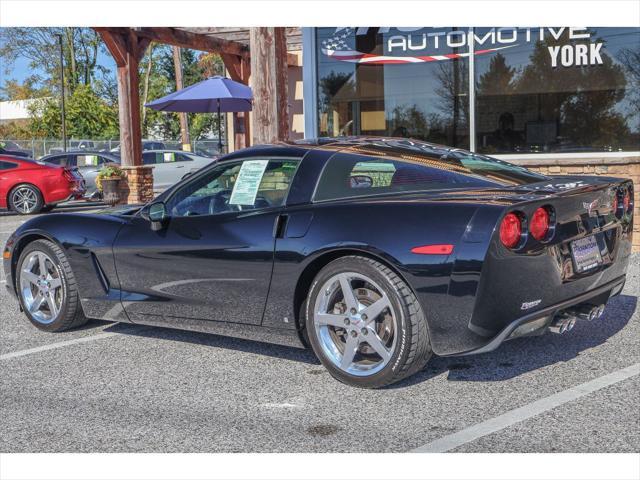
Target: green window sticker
(246,187)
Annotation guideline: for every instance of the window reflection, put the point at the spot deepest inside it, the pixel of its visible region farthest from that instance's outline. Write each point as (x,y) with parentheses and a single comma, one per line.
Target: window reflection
(590,103)
(426,101)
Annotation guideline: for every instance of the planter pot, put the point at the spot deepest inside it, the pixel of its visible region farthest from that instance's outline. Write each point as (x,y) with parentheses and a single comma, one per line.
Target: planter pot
(111,192)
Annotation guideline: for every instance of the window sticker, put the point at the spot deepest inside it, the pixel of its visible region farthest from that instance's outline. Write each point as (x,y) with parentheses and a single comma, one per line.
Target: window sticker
(169,157)
(246,187)
(90,160)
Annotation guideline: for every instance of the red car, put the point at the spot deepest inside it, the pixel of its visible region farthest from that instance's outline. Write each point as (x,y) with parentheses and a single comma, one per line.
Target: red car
(28,186)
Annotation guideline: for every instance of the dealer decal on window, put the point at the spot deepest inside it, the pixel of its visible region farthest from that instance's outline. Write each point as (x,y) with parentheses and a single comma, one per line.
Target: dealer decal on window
(246,187)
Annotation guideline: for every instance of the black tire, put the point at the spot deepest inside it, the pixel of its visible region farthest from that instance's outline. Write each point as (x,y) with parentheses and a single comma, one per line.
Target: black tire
(412,347)
(70,314)
(39,201)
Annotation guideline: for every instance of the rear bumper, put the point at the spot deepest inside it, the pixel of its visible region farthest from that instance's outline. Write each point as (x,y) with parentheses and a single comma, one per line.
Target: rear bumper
(613,288)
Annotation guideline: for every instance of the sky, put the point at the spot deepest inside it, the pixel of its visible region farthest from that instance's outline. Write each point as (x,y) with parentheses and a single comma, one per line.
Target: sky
(21,69)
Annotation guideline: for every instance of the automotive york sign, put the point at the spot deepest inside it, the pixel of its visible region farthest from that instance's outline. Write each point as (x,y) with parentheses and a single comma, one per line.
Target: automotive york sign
(410,45)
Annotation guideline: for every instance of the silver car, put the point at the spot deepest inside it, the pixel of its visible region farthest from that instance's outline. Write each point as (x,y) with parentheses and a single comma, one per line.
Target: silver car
(170,166)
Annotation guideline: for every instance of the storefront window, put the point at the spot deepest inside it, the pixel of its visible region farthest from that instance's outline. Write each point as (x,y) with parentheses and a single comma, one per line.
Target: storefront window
(557,90)
(403,82)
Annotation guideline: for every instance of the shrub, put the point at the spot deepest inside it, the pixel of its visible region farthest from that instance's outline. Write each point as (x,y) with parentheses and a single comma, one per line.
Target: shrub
(108,172)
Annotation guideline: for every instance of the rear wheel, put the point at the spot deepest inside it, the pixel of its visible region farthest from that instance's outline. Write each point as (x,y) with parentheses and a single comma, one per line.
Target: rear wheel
(47,288)
(365,324)
(25,199)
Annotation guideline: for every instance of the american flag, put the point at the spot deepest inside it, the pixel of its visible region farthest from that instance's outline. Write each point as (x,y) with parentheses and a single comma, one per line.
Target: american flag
(337,47)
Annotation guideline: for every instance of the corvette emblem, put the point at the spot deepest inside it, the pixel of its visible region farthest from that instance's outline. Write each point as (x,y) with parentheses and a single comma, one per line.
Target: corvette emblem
(528,305)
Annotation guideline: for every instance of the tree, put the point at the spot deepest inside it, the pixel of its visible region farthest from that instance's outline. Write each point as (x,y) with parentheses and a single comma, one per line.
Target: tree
(582,98)
(88,116)
(40,46)
(13,90)
(498,79)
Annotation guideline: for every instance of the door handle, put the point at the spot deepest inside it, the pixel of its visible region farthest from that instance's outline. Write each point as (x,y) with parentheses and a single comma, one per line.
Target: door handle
(279,225)
(179,166)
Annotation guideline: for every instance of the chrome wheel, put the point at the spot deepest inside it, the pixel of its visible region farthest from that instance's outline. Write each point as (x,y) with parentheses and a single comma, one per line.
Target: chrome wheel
(24,199)
(41,287)
(356,324)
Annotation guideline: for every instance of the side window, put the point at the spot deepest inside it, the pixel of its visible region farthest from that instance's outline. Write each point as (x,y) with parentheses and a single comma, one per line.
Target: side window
(181,157)
(234,187)
(152,158)
(59,160)
(347,176)
(7,165)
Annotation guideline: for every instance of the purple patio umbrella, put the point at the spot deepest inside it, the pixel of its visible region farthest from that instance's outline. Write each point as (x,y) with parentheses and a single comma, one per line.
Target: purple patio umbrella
(215,94)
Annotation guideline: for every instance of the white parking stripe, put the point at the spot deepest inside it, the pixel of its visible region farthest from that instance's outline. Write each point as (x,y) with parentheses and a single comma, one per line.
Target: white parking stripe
(525,412)
(53,346)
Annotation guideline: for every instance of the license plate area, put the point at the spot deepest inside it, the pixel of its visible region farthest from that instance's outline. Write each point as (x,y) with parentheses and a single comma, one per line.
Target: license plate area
(586,254)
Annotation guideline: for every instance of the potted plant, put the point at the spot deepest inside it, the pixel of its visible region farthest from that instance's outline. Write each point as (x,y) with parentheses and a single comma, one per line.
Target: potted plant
(108,182)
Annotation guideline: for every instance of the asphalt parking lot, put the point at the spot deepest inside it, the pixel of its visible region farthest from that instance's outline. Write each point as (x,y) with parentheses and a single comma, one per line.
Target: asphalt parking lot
(118,387)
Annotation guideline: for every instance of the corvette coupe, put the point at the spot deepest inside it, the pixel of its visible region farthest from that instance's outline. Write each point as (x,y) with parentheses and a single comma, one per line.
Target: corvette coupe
(375,252)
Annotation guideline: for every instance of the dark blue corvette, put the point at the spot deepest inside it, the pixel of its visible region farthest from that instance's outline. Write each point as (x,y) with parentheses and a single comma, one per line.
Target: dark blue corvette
(375,252)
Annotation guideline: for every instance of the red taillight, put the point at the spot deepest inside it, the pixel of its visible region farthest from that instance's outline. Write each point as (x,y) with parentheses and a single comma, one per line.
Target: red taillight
(68,175)
(441,249)
(539,225)
(510,230)
(626,201)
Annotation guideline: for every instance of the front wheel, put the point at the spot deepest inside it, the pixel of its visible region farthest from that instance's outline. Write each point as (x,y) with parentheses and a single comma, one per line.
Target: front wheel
(47,288)
(25,199)
(365,324)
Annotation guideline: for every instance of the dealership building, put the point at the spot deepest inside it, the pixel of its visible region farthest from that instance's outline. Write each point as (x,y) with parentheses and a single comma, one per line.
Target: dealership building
(557,100)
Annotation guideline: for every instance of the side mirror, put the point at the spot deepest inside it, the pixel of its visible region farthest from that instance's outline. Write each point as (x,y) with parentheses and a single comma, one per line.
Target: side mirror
(157,215)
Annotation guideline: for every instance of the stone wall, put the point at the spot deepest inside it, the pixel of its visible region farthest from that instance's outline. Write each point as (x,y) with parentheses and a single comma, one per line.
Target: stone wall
(623,167)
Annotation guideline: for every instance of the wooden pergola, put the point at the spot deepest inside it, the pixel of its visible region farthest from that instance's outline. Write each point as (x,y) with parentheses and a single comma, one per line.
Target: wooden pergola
(254,56)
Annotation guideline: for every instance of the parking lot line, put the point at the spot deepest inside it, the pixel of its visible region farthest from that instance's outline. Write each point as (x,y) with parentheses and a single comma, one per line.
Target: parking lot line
(53,346)
(449,442)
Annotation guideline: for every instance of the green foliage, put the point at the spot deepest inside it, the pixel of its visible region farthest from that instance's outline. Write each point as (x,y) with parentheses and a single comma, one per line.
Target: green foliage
(87,116)
(91,89)
(108,172)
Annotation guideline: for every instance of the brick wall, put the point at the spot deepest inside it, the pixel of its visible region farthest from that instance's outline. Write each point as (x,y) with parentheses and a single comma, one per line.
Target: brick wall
(624,167)
(139,184)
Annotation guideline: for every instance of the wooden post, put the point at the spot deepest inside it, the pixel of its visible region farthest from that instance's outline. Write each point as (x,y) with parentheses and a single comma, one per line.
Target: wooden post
(127,51)
(184,124)
(268,46)
(239,69)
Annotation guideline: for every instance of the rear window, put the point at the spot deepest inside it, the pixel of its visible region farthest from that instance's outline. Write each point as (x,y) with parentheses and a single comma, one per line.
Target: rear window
(347,176)
(504,173)
(7,165)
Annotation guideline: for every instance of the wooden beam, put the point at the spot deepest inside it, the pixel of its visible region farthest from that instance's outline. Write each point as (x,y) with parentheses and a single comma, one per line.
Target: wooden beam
(184,39)
(269,81)
(127,50)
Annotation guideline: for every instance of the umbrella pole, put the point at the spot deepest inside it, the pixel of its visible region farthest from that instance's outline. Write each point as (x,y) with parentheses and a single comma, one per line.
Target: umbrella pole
(219,130)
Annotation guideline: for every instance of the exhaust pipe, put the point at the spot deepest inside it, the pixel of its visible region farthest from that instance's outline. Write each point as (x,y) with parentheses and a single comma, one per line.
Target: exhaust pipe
(562,323)
(587,312)
(565,321)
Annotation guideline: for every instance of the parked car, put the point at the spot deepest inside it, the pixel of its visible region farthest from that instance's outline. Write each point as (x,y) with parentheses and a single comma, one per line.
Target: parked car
(7,147)
(28,186)
(430,250)
(75,146)
(146,145)
(171,166)
(88,163)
